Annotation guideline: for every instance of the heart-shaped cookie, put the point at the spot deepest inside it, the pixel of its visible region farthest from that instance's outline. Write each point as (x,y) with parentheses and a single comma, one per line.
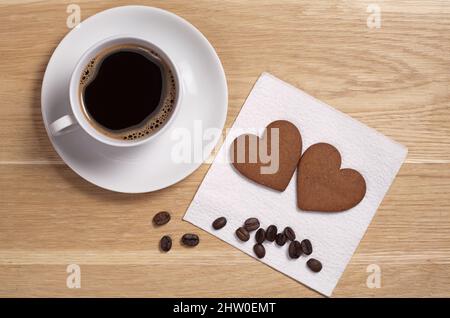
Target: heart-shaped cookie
(323,186)
(271,160)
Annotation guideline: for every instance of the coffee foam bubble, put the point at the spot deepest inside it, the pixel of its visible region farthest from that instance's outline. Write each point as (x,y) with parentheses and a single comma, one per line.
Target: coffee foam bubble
(158,118)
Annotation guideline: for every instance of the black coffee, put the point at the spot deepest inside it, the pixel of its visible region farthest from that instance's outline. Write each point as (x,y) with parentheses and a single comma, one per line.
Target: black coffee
(127,92)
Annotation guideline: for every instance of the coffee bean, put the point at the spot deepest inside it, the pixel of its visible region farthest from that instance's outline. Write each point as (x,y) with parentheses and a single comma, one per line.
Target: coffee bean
(161,218)
(189,239)
(290,234)
(306,247)
(242,234)
(251,224)
(259,250)
(314,265)
(271,233)
(281,239)
(165,243)
(219,223)
(295,249)
(260,236)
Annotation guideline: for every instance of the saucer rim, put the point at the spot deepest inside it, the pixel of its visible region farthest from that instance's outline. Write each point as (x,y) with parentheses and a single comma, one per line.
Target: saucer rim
(221,117)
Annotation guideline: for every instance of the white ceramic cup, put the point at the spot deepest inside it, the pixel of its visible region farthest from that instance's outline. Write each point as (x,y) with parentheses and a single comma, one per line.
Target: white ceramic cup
(75,119)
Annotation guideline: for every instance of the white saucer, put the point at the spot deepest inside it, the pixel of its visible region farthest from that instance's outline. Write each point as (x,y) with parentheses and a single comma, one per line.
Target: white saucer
(205,98)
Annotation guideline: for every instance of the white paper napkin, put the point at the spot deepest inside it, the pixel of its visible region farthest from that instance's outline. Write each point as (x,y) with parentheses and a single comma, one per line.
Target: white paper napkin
(334,236)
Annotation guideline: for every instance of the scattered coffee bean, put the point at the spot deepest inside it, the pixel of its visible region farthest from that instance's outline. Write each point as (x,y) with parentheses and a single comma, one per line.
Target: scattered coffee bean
(271,233)
(251,224)
(165,243)
(259,250)
(290,234)
(161,218)
(295,249)
(306,247)
(242,234)
(189,239)
(260,236)
(219,223)
(314,265)
(281,239)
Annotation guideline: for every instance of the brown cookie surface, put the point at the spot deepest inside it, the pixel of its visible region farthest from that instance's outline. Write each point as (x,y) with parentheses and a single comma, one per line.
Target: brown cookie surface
(323,186)
(254,157)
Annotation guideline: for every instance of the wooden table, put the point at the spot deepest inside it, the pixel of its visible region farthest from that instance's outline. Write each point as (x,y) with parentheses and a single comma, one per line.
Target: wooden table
(395,78)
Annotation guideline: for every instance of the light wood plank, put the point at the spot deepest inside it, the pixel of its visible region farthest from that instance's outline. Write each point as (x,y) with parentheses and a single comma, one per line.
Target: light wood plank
(394,79)
(111,234)
(416,208)
(251,280)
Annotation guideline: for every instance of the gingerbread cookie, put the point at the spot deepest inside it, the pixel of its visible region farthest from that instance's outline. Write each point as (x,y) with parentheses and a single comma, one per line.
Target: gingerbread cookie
(323,186)
(254,157)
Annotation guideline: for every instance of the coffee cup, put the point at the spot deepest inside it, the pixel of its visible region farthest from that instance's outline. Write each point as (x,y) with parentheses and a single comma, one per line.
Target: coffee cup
(123,91)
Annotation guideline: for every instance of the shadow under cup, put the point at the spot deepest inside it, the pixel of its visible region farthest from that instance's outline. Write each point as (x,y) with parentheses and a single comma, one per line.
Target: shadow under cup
(124,91)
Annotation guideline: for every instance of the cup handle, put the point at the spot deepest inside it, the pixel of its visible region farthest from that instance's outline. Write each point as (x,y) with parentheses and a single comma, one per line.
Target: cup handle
(63,125)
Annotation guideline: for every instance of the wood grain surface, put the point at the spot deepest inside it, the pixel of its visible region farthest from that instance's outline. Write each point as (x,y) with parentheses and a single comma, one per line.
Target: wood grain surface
(395,79)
